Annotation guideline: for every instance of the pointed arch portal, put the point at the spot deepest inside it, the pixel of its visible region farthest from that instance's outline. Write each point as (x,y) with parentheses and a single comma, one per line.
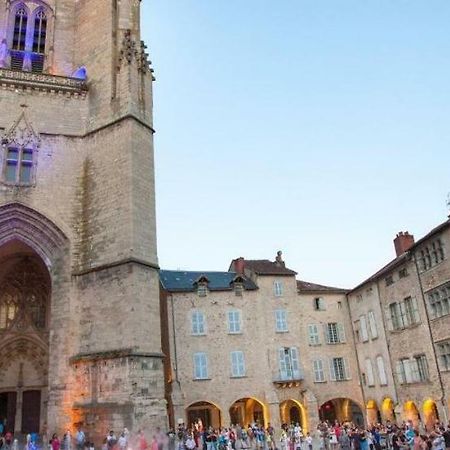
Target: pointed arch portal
(30,247)
(25,289)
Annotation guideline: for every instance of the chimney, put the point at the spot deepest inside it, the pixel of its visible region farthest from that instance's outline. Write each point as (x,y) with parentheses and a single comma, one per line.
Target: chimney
(239,265)
(403,242)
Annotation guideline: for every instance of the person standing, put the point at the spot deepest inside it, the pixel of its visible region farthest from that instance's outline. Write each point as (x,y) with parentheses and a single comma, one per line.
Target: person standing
(55,443)
(80,439)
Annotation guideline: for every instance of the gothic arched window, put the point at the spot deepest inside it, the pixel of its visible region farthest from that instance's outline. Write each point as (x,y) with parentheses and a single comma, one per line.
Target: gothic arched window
(19,38)
(29,29)
(39,37)
(20,29)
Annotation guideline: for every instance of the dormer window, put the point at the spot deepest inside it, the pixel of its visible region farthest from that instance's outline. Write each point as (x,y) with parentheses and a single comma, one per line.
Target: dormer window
(28,37)
(202,290)
(238,286)
(202,286)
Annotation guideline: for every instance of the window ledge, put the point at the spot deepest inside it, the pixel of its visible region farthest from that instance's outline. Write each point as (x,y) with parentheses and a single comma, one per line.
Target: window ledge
(201,379)
(198,334)
(238,377)
(409,327)
(444,316)
(42,82)
(281,331)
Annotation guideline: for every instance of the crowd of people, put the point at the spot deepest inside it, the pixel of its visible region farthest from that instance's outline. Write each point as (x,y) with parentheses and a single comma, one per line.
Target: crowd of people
(327,436)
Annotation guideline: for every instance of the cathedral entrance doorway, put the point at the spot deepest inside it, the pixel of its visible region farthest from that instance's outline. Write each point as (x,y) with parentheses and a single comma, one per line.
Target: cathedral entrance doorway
(25,290)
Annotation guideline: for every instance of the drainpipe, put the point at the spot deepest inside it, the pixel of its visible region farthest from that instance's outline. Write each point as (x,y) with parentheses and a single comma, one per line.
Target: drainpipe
(357,360)
(441,384)
(174,339)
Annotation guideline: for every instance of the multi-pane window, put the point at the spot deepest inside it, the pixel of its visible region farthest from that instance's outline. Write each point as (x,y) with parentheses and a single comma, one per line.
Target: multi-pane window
(319,373)
(200,366)
(369,373)
(439,301)
(289,364)
(18,167)
(238,289)
(364,335)
(402,273)
(278,288)
(389,280)
(381,371)
(313,334)
(334,333)
(198,323)
(319,304)
(281,320)
(403,314)
(20,29)
(202,289)
(237,364)
(443,351)
(339,370)
(430,255)
(234,322)
(412,370)
(372,325)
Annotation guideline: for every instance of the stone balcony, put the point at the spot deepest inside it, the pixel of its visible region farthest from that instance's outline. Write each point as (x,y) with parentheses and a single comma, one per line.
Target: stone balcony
(16,79)
(288,380)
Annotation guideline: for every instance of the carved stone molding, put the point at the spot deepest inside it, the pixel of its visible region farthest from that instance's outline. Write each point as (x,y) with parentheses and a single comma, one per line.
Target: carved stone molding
(132,51)
(17,221)
(15,79)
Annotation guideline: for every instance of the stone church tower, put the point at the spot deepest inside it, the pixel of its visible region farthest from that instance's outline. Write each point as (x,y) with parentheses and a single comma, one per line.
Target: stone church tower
(79,303)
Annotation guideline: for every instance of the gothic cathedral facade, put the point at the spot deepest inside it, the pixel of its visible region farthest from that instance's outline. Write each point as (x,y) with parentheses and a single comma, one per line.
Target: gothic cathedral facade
(79,296)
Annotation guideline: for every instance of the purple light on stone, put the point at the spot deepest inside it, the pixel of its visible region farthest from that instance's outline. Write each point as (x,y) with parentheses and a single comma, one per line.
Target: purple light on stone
(80,73)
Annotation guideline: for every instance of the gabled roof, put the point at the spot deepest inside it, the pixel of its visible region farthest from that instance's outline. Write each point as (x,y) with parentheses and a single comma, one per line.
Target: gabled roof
(266,267)
(186,281)
(306,286)
(403,257)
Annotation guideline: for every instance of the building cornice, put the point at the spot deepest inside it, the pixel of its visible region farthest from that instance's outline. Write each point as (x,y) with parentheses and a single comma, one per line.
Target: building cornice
(52,84)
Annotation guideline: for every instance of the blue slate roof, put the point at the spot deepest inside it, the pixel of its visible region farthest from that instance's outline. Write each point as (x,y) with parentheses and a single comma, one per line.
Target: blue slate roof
(184,281)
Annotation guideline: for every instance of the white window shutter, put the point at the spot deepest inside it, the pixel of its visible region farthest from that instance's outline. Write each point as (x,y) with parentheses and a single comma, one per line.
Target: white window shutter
(400,372)
(363,325)
(415,375)
(387,313)
(416,315)
(341,331)
(295,362)
(346,369)
(373,325)
(408,371)
(282,363)
(332,371)
(326,334)
(381,371)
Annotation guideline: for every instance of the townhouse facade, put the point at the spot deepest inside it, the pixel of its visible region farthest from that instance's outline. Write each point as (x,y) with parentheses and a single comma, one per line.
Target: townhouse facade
(256,344)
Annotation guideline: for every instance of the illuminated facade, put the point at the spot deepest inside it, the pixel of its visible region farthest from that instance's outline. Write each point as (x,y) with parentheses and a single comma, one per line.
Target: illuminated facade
(79,297)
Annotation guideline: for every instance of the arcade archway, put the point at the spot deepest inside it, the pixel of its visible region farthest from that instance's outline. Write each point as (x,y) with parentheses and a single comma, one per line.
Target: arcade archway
(293,412)
(342,410)
(247,411)
(387,408)
(25,291)
(411,413)
(203,415)
(373,413)
(430,414)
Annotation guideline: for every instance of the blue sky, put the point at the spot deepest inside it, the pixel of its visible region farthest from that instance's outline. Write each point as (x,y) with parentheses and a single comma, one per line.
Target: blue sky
(320,128)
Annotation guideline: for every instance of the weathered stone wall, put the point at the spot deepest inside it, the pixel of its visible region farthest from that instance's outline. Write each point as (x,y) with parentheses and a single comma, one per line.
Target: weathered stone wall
(260,343)
(361,301)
